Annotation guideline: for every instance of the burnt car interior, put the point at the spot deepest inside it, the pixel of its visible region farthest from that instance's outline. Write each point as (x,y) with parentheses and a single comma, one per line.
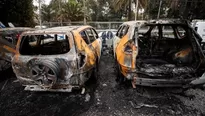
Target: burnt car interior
(44,44)
(166,51)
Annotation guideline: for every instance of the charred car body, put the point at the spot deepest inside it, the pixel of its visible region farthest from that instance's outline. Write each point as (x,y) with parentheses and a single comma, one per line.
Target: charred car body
(9,37)
(57,59)
(159,53)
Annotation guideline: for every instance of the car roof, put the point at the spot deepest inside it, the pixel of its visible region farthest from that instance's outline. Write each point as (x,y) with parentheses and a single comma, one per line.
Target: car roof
(62,29)
(158,21)
(16,28)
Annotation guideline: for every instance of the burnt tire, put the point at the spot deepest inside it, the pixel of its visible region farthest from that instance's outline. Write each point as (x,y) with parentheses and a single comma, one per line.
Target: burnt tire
(95,70)
(45,72)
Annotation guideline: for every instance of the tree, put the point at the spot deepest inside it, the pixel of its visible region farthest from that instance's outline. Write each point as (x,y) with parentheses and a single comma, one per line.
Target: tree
(72,11)
(123,5)
(47,13)
(187,9)
(19,12)
(102,10)
(127,5)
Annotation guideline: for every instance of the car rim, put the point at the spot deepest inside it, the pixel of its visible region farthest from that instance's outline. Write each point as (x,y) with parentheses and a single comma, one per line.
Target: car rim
(43,75)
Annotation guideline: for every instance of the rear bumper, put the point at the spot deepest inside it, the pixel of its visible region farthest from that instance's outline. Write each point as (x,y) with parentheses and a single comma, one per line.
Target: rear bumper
(30,85)
(166,82)
(132,74)
(161,82)
(38,88)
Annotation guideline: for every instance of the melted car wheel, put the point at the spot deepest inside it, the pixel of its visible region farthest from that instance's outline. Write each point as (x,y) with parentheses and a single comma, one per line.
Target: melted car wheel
(45,73)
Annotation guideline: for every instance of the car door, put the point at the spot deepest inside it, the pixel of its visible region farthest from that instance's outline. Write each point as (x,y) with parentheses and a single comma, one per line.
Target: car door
(122,31)
(95,43)
(87,57)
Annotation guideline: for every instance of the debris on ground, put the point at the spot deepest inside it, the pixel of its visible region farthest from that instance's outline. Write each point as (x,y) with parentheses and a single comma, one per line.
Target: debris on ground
(87,97)
(112,100)
(140,105)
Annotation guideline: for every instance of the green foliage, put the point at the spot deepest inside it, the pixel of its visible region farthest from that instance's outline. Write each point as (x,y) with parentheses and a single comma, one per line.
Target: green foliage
(187,9)
(72,11)
(47,13)
(153,8)
(102,10)
(123,5)
(59,10)
(19,12)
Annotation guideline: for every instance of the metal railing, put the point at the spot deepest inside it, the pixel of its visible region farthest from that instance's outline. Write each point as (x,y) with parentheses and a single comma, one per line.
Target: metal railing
(97,25)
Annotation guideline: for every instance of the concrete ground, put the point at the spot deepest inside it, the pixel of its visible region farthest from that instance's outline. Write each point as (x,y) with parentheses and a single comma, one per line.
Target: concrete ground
(104,97)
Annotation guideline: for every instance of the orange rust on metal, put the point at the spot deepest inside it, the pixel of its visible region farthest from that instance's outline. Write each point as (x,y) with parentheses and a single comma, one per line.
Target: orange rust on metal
(183,53)
(83,27)
(9,49)
(120,53)
(96,46)
(83,47)
(134,54)
(134,82)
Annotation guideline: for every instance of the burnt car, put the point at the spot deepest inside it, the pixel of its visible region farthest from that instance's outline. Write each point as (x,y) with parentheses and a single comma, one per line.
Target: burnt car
(9,36)
(12,34)
(159,53)
(57,59)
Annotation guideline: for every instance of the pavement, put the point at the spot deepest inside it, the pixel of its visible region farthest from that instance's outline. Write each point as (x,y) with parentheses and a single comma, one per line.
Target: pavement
(103,97)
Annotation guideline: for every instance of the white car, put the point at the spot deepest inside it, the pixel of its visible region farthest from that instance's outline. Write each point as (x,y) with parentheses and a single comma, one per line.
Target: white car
(107,36)
(40,27)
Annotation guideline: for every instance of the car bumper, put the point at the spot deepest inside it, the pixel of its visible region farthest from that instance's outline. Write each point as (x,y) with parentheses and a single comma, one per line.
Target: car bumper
(30,85)
(166,82)
(65,88)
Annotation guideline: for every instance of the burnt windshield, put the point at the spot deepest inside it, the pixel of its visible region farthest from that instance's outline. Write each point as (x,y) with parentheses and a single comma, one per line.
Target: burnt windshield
(44,44)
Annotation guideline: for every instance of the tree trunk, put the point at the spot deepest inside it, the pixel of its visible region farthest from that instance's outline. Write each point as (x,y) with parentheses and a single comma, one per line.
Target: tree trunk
(130,10)
(138,13)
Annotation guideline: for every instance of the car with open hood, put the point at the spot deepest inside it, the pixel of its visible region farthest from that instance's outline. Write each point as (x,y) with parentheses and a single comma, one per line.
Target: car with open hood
(159,53)
(56,59)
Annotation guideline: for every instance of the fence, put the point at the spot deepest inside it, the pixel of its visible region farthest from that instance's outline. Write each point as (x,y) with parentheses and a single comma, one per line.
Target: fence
(97,25)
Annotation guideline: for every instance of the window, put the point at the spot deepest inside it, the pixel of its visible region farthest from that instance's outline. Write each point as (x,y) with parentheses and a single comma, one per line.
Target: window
(155,32)
(124,31)
(181,32)
(85,37)
(142,30)
(104,36)
(118,31)
(168,32)
(110,35)
(44,44)
(90,35)
(196,28)
(95,34)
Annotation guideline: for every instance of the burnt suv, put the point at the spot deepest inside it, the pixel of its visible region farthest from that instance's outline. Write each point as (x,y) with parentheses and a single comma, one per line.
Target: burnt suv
(57,59)
(162,53)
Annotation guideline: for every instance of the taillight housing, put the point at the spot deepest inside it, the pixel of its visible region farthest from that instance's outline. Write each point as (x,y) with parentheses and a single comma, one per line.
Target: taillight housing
(129,47)
(17,36)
